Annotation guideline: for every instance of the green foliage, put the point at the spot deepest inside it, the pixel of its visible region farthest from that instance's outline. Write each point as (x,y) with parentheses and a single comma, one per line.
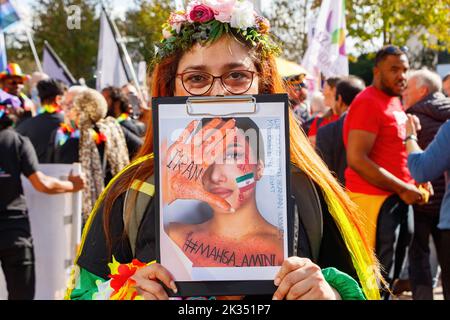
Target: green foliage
(362,67)
(288,21)
(144,26)
(396,21)
(76,47)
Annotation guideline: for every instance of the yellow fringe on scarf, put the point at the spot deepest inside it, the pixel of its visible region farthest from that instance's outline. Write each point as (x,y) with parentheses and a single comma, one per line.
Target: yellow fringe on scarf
(72,280)
(362,260)
(305,158)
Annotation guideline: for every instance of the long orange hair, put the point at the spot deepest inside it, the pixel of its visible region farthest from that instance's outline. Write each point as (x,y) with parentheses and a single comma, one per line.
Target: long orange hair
(302,155)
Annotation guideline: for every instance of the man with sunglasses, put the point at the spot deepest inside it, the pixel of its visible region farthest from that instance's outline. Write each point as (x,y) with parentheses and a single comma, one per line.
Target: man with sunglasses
(12,80)
(377,175)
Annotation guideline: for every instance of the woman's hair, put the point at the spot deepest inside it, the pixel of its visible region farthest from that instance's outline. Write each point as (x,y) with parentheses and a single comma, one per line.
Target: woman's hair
(302,154)
(117,96)
(91,107)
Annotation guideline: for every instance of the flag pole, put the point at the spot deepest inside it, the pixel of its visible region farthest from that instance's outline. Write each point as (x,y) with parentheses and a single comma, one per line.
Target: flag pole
(123,49)
(4,58)
(33,49)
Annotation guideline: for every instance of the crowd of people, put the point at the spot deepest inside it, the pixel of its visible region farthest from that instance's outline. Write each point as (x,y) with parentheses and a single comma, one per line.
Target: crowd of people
(381,190)
(366,144)
(56,124)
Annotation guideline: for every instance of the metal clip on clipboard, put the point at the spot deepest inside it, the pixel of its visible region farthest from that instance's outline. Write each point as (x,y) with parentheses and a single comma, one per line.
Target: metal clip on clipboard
(216,105)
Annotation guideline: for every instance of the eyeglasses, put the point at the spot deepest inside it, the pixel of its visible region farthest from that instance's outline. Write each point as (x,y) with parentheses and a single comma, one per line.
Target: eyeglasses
(198,83)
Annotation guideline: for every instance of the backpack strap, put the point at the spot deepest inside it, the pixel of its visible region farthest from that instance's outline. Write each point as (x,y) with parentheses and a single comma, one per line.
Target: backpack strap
(308,214)
(136,201)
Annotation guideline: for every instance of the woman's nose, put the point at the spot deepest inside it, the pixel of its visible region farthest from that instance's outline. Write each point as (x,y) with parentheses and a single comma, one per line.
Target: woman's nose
(217,88)
(217,174)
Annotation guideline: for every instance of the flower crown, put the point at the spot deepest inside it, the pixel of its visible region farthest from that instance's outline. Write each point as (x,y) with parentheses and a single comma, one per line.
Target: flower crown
(205,21)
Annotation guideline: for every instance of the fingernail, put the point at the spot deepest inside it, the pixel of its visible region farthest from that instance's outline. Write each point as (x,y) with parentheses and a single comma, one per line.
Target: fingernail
(274,298)
(277,281)
(173,286)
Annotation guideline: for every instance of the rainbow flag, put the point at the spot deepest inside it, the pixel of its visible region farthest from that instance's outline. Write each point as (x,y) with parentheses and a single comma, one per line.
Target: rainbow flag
(246,182)
(8,14)
(326,52)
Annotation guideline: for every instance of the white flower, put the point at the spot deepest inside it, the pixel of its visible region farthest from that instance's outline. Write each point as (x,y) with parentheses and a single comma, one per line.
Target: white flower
(243,16)
(104,290)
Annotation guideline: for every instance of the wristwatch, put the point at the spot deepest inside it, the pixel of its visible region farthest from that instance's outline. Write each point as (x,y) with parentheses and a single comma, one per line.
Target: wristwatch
(411,137)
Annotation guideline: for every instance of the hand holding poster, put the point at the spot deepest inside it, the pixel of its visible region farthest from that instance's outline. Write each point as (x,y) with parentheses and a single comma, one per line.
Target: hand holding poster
(223,204)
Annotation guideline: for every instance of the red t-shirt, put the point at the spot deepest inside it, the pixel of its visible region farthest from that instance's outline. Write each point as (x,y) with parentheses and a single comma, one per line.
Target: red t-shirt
(376,112)
(326,120)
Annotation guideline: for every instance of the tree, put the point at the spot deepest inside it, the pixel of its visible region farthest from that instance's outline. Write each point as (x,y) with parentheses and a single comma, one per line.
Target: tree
(55,21)
(289,22)
(400,22)
(145,29)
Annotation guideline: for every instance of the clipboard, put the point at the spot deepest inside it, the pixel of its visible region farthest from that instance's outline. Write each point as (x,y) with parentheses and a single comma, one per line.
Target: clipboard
(171,113)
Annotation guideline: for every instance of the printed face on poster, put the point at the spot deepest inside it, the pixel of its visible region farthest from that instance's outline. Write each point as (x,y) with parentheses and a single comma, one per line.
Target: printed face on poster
(223,185)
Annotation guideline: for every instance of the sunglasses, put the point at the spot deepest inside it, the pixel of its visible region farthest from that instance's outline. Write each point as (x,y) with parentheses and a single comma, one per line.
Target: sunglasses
(394,49)
(13,81)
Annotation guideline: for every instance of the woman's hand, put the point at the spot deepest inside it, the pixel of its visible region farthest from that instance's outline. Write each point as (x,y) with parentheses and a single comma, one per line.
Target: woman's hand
(301,279)
(412,125)
(148,285)
(185,162)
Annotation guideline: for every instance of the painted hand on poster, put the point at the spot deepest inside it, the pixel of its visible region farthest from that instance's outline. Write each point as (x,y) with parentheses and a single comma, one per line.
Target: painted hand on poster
(186,160)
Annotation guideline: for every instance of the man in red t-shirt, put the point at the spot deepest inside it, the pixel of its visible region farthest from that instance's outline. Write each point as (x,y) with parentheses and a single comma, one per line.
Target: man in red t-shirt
(377,176)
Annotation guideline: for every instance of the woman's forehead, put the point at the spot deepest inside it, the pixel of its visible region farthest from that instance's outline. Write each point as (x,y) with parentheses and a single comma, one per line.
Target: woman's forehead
(224,54)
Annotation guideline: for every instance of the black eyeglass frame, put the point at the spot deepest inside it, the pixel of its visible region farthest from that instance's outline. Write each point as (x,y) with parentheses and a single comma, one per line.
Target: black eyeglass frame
(214,79)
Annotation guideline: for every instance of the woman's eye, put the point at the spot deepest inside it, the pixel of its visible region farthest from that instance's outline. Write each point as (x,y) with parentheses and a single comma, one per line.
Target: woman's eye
(196,78)
(237,76)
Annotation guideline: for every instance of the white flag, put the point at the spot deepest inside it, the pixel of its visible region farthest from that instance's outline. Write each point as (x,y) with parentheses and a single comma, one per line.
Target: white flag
(110,67)
(326,52)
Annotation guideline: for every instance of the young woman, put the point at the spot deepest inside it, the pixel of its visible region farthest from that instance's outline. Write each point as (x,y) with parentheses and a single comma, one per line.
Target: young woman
(223,48)
(244,233)
(93,139)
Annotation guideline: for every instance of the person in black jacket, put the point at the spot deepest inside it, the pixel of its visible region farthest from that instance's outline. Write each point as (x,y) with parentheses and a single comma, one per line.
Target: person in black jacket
(423,98)
(39,129)
(329,141)
(119,107)
(16,244)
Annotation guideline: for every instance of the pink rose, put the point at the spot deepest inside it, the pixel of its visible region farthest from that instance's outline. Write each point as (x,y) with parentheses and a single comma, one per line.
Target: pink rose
(201,13)
(222,9)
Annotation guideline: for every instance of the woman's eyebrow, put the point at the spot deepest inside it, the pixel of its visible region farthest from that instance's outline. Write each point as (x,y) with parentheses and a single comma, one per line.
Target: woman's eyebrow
(234,65)
(228,66)
(200,67)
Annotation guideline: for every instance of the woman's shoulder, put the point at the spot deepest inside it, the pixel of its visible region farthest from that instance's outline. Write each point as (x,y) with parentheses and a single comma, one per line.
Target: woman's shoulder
(179,231)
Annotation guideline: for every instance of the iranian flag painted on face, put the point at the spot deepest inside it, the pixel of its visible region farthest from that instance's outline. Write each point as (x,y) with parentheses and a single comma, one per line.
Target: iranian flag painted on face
(246,182)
